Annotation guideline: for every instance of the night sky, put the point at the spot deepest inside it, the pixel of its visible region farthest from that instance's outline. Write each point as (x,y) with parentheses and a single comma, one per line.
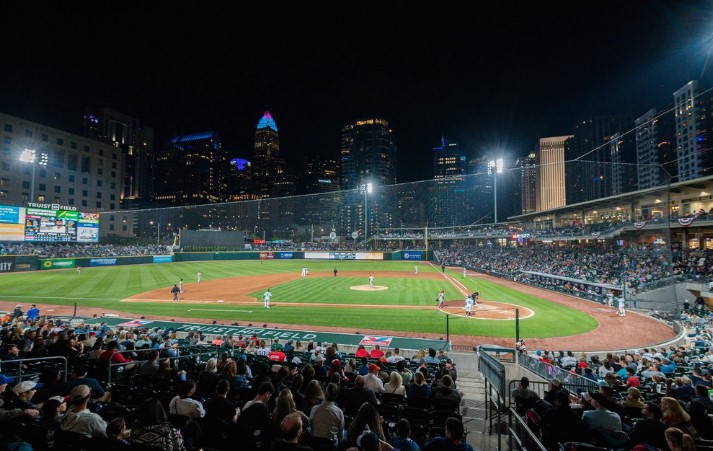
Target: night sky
(494,80)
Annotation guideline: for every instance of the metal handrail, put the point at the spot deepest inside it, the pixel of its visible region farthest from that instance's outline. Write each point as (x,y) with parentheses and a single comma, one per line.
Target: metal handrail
(190,356)
(521,426)
(32,359)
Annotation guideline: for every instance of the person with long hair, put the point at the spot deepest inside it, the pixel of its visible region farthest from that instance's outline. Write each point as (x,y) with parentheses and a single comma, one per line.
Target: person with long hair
(285,405)
(419,387)
(677,440)
(367,416)
(313,395)
(152,428)
(674,416)
(395,384)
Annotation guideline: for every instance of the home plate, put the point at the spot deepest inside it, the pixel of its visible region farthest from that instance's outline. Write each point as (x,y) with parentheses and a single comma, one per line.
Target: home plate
(220,300)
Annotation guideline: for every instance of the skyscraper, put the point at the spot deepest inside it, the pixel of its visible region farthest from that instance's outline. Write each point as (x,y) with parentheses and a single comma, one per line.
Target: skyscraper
(528,184)
(694,132)
(588,153)
(271,176)
(193,170)
(655,149)
(448,195)
(368,155)
(137,146)
(551,173)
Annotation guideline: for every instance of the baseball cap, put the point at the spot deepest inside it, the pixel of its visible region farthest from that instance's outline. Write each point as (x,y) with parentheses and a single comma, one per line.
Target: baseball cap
(319,358)
(23,387)
(59,399)
(538,352)
(92,334)
(373,367)
(6,380)
(367,440)
(602,383)
(601,399)
(556,382)
(80,392)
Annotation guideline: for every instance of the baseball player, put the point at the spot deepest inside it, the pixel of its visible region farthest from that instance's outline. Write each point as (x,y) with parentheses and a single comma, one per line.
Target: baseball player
(304,271)
(465,272)
(468,306)
(180,285)
(622,306)
(198,276)
(415,269)
(266,298)
(174,291)
(371,281)
(441,297)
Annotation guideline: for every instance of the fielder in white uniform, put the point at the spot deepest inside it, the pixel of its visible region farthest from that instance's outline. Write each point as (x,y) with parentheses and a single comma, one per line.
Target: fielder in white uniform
(465,272)
(441,295)
(180,285)
(266,298)
(198,276)
(371,281)
(304,271)
(415,269)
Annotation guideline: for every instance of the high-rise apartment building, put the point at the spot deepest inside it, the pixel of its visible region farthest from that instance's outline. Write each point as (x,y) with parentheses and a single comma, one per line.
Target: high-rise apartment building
(588,156)
(137,146)
(528,183)
(694,132)
(655,149)
(193,170)
(551,172)
(622,154)
(368,155)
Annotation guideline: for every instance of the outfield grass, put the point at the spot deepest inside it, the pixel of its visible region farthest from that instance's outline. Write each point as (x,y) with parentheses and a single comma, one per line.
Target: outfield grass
(104,286)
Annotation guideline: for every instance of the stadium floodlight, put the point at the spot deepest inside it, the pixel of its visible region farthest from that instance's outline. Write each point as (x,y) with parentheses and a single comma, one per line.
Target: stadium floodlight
(367,188)
(30,156)
(495,167)
(158,232)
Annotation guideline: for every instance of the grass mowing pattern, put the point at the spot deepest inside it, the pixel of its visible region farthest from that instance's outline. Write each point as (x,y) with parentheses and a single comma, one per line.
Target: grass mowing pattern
(104,286)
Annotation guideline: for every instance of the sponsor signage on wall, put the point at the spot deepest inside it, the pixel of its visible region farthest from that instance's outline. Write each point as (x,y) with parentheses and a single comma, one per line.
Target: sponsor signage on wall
(7,264)
(102,261)
(162,258)
(412,255)
(56,263)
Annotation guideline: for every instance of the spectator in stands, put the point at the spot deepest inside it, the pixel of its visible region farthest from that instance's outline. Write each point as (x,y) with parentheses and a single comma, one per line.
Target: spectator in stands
(633,400)
(167,376)
(361,352)
(358,395)
(112,354)
(291,429)
(363,368)
(372,379)
(296,389)
(446,390)
(320,372)
(78,376)
(367,417)
(24,391)
(555,386)
(603,423)
(561,424)
(116,434)
(677,440)
(327,419)
(255,415)
(395,385)
(524,397)
(153,428)
(313,396)
(10,359)
(674,416)
(403,440)
(632,380)
(431,357)
(376,353)
(79,419)
(703,398)
(649,430)
(701,422)
(419,387)
(220,410)
(284,406)
(454,439)
(149,369)
(183,404)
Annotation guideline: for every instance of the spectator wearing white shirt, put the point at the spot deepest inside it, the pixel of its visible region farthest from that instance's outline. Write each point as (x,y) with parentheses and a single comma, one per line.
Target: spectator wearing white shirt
(372,379)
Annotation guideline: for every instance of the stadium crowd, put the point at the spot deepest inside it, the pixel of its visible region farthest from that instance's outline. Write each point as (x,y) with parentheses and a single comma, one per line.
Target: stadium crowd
(60,250)
(145,388)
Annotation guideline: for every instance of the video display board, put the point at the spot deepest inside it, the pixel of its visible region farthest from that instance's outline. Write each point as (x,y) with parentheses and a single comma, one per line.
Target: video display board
(47,225)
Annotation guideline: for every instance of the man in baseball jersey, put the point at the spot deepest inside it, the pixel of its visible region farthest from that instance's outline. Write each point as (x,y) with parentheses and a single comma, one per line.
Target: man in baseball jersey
(304,271)
(266,298)
(198,276)
(180,285)
(465,272)
(441,297)
(415,269)
(371,281)
(468,306)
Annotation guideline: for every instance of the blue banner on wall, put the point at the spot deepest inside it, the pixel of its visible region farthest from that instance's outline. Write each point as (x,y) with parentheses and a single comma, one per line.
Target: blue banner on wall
(412,255)
(102,261)
(285,255)
(162,258)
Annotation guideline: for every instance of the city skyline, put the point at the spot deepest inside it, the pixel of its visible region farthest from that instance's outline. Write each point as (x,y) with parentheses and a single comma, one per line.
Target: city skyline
(494,84)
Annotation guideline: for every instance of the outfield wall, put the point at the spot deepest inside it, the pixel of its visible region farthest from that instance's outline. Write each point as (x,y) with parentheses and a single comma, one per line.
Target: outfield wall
(16,263)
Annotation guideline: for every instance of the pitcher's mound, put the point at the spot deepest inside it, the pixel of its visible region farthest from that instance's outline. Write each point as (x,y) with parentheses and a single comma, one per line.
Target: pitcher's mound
(368,288)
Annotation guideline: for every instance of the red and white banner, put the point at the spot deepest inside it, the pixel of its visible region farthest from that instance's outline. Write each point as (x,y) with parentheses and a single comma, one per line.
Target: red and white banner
(371,340)
(688,220)
(596,235)
(639,224)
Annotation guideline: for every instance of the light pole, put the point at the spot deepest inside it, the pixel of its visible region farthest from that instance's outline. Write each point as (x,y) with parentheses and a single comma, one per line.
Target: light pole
(30,156)
(368,188)
(495,167)
(158,232)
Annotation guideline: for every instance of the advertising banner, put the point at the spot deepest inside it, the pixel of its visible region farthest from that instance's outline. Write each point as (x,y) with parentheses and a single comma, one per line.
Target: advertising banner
(317,255)
(369,255)
(285,255)
(162,258)
(342,255)
(26,262)
(56,263)
(7,264)
(267,255)
(371,340)
(102,261)
(412,255)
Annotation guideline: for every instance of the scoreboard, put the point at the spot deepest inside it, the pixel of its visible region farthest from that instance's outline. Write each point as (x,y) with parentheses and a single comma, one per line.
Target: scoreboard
(47,225)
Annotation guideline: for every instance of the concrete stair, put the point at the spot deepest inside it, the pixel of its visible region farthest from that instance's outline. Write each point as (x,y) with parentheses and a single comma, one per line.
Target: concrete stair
(472,388)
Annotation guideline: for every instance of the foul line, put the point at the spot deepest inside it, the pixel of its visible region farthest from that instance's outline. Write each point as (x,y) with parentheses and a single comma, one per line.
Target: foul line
(217,310)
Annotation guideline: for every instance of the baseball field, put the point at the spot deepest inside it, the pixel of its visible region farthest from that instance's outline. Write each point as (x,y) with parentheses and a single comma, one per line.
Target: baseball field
(400,301)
